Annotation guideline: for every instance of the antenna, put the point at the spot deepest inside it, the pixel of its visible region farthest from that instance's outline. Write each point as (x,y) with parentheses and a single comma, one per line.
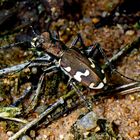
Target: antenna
(11,45)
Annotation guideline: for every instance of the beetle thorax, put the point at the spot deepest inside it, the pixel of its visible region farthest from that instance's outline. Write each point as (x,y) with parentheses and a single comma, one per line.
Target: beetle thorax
(51,47)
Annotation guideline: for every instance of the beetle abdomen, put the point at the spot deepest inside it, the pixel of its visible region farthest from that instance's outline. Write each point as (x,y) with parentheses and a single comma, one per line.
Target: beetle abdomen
(82,69)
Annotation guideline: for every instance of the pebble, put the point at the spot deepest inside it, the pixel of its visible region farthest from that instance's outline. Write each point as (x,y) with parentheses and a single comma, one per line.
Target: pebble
(86,134)
(95,20)
(69,136)
(132,97)
(130,32)
(34,70)
(25,137)
(61,137)
(32,133)
(87,122)
(1,98)
(134,133)
(10,133)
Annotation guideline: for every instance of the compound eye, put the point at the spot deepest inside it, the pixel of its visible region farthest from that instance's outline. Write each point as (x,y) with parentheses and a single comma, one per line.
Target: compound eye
(37,41)
(34,42)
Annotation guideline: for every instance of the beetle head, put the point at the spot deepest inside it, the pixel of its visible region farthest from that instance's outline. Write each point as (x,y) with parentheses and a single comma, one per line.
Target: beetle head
(52,45)
(49,43)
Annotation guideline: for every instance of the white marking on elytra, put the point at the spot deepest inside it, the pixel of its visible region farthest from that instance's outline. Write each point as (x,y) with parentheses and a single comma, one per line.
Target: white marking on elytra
(33,42)
(100,86)
(68,69)
(59,62)
(102,71)
(91,85)
(78,75)
(92,64)
(104,80)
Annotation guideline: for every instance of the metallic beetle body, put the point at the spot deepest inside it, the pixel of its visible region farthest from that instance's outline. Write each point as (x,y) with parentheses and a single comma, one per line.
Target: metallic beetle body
(75,64)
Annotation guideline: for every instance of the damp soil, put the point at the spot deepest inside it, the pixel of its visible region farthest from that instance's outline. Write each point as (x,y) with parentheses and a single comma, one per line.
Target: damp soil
(112,24)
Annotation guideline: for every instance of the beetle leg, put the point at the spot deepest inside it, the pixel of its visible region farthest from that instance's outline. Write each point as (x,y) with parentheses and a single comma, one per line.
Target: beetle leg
(92,52)
(35,98)
(51,68)
(17,68)
(104,56)
(37,92)
(18,101)
(39,85)
(80,94)
(77,39)
(110,64)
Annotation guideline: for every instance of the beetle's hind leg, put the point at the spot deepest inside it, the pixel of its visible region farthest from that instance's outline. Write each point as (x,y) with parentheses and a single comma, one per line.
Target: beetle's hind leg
(47,71)
(80,94)
(111,67)
(35,98)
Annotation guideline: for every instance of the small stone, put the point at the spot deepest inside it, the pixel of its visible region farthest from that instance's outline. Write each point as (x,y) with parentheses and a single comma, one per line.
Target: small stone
(104,14)
(86,134)
(132,97)
(61,137)
(34,70)
(53,9)
(1,98)
(95,20)
(25,54)
(97,129)
(32,133)
(88,122)
(25,137)
(134,133)
(130,32)
(10,133)
(69,136)
(45,136)
(27,70)
(117,14)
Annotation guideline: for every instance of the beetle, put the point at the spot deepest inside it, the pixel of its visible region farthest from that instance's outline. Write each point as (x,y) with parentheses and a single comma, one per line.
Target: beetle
(75,63)
(71,61)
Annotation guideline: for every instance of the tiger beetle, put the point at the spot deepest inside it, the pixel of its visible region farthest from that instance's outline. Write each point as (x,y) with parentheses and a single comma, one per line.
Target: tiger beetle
(75,63)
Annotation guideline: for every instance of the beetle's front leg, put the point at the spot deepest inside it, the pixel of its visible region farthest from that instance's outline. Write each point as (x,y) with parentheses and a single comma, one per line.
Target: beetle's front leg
(91,51)
(43,61)
(77,39)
